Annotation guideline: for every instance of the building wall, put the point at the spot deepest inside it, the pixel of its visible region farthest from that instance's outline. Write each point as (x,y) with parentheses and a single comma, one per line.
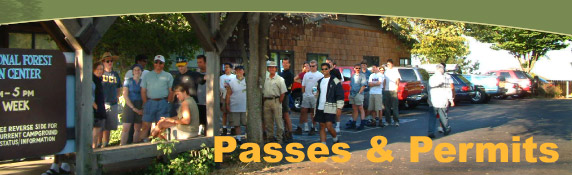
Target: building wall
(346,43)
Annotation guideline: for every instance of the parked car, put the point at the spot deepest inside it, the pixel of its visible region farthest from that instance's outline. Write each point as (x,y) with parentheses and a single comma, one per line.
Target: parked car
(515,76)
(512,89)
(410,90)
(490,83)
(467,91)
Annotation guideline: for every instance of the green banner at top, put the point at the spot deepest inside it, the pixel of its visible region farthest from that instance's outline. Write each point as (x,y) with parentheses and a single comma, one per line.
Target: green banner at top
(548,16)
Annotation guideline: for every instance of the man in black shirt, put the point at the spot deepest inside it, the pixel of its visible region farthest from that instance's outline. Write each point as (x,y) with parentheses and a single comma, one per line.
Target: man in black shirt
(189,78)
(288,80)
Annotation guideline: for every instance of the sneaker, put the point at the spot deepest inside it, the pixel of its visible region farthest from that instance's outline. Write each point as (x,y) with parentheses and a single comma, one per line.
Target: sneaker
(337,129)
(337,141)
(361,126)
(440,129)
(352,125)
(385,124)
(224,130)
(431,135)
(298,131)
(447,131)
(396,124)
(312,132)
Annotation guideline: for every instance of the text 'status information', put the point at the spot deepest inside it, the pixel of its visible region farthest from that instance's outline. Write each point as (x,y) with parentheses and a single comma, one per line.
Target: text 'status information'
(33,102)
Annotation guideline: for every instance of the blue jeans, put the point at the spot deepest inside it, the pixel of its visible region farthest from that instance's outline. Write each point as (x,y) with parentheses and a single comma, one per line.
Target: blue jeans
(154,110)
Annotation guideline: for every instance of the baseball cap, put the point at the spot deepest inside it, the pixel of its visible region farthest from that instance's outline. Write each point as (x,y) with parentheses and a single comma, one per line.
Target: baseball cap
(160,58)
(181,61)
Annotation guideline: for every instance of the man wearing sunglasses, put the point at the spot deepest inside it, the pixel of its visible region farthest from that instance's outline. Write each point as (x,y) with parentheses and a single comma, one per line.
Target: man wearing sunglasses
(357,86)
(156,93)
(112,85)
(309,84)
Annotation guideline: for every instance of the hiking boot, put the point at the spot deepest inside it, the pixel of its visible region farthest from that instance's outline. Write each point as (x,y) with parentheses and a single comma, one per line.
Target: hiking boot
(224,131)
(361,126)
(312,132)
(298,131)
(352,125)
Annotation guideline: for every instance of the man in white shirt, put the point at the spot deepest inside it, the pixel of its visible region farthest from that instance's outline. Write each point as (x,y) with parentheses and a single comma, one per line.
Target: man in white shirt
(375,82)
(309,84)
(224,80)
(236,101)
(440,95)
(390,100)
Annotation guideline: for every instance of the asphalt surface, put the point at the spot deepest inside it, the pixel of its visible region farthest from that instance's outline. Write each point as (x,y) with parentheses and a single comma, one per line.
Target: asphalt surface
(546,120)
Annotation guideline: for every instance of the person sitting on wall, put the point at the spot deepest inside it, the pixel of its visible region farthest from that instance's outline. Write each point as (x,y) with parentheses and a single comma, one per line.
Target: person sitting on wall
(186,124)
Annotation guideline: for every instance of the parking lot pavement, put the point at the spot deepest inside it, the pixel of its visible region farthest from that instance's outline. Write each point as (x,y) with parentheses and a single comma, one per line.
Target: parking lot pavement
(546,120)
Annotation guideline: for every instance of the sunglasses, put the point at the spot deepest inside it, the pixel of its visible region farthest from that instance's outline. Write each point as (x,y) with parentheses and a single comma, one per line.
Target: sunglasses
(158,62)
(357,68)
(313,66)
(108,61)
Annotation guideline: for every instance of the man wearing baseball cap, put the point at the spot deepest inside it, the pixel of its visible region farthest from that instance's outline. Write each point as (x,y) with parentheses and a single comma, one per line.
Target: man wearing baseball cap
(156,93)
(189,78)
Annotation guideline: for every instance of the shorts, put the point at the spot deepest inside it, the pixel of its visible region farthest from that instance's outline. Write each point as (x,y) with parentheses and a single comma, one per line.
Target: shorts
(111,120)
(154,110)
(98,123)
(237,119)
(375,102)
(356,100)
(308,102)
(129,116)
(181,135)
(322,117)
(286,104)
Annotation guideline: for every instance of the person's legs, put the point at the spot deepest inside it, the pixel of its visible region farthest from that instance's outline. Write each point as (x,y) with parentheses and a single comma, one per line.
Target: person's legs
(444,119)
(96,137)
(268,120)
(137,132)
(303,119)
(431,122)
(323,132)
(395,107)
(125,133)
(286,114)
(110,123)
(149,115)
(276,111)
(387,105)
(224,119)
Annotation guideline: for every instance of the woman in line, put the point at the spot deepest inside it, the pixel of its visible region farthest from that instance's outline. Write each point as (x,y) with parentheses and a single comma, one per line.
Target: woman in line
(133,111)
(98,105)
(186,124)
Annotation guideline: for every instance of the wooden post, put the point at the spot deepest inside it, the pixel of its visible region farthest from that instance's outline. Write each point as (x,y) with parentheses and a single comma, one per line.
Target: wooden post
(213,68)
(567,88)
(84,114)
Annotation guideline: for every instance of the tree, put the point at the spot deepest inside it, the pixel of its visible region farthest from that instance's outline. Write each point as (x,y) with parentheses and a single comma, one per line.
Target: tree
(434,41)
(525,45)
(157,34)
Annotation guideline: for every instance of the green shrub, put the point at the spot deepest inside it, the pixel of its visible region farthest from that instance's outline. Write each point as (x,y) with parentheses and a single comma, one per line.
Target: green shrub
(550,91)
(192,162)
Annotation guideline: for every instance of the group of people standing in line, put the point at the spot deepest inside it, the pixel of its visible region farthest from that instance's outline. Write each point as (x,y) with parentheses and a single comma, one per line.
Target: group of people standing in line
(179,102)
(150,97)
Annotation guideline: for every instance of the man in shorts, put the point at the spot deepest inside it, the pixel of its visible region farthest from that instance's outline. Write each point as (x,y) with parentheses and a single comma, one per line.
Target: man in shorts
(236,101)
(288,80)
(156,92)
(112,85)
(330,96)
(308,99)
(357,86)
(224,80)
(375,82)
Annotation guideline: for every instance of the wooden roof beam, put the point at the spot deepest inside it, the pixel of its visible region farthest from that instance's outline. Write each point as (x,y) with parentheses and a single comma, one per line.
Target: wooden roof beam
(226,30)
(203,33)
(52,29)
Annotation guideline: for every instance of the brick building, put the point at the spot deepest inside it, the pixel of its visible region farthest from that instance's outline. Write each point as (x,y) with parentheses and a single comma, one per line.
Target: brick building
(349,39)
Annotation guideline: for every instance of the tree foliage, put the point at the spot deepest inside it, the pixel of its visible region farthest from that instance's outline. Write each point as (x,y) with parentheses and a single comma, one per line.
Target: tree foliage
(434,41)
(525,45)
(152,34)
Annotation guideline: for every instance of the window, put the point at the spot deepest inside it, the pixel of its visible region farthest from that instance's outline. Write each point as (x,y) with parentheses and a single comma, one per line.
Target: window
(31,41)
(371,60)
(278,56)
(320,58)
(404,61)
(424,75)
(407,75)
(506,75)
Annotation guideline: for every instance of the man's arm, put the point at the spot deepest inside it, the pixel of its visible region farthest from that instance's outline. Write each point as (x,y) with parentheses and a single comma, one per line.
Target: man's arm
(144,95)
(170,97)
